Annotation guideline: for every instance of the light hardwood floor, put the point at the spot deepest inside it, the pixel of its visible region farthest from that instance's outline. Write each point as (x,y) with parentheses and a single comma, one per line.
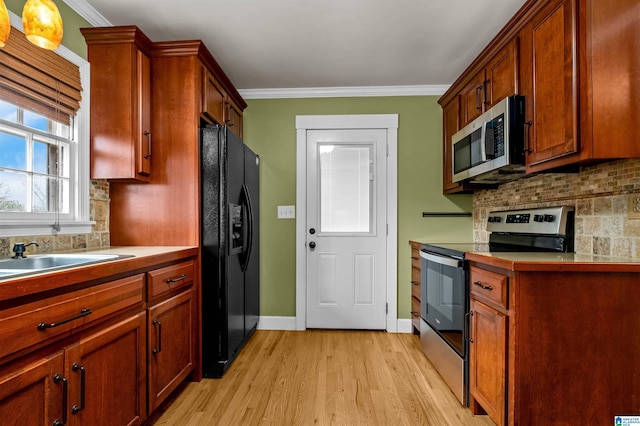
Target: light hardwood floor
(320,377)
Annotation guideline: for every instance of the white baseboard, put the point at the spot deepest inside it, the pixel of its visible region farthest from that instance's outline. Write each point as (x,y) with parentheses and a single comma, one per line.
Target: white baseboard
(289,323)
(277,323)
(405,326)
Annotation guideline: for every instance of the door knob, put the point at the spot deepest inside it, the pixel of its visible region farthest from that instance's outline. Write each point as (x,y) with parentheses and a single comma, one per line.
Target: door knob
(312,244)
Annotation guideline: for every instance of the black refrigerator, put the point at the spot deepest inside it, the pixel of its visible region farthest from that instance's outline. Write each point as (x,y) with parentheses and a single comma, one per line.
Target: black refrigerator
(230,247)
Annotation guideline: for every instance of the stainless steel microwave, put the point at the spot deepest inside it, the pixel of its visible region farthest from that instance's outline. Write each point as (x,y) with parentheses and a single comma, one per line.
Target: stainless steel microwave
(491,148)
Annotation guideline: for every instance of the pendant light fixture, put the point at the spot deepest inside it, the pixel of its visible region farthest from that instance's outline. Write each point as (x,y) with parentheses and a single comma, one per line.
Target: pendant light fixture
(5,24)
(42,23)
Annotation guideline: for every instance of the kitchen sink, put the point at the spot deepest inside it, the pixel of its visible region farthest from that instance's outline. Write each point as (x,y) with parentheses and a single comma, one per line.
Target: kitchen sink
(47,262)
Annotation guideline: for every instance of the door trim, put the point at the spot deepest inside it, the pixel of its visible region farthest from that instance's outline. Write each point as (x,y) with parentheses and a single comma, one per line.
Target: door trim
(389,122)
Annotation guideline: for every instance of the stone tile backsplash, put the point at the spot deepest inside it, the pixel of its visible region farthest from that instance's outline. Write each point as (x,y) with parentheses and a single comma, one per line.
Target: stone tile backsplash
(99,237)
(599,194)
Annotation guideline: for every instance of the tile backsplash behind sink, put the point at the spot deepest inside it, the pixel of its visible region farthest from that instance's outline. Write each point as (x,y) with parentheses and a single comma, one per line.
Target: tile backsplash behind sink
(599,193)
(99,237)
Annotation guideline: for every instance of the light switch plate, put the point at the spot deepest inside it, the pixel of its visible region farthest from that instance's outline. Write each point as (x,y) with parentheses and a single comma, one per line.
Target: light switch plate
(286,212)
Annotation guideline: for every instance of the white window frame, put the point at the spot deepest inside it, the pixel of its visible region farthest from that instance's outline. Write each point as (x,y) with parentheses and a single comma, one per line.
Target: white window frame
(29,224)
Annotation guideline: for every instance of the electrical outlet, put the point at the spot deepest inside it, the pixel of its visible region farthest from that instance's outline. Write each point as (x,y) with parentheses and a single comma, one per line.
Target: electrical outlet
(633,206)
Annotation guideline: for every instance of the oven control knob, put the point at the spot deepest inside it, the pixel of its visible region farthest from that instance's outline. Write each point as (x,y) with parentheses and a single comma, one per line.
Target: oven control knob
(497,219)
(538,218)
(490,219)
(549,217)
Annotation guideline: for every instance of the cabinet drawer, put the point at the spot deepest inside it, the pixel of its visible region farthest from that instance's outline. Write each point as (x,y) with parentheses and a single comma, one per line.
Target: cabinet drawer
(174,276)
(39,321)
(415,313)
(489,286)
(415,289)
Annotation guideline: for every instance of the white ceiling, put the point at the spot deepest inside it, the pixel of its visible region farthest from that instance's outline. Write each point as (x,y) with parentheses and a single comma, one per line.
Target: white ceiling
(276,44)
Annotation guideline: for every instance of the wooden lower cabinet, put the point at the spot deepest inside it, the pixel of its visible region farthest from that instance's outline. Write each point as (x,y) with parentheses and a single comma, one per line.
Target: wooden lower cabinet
(415,286)
(106,373)
(552,343)
(170,353)
(487,360)
(33,393)
(99,354)
(99,380)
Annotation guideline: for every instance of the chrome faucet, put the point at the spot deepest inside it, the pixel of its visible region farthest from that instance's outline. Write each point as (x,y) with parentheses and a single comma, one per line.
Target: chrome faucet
(18,249)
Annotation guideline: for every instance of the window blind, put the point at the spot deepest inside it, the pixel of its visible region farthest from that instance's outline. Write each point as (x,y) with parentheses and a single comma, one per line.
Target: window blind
(39,80)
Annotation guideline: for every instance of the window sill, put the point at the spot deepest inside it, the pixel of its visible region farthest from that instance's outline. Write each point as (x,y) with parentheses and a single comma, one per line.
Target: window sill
(23,229)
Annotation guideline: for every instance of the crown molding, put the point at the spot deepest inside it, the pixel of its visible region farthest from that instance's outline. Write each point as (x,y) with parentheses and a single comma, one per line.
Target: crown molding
(84,9)
(343,92)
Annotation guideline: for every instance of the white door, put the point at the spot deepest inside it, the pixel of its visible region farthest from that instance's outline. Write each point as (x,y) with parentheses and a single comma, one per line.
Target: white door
(346,228)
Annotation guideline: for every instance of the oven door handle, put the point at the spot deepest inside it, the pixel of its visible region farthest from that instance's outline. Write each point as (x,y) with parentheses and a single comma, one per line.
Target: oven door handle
(448,261)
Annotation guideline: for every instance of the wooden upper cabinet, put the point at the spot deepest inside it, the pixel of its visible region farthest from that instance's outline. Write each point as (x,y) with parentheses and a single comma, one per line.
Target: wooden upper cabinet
(472,99)
(450,125)
(120,103)
(496,81)
(214,98)
(550,83)
(501,75)
(611,83)
(579,75)
(233,118)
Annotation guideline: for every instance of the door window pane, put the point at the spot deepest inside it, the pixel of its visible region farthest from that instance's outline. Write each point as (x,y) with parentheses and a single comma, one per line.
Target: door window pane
(345,187)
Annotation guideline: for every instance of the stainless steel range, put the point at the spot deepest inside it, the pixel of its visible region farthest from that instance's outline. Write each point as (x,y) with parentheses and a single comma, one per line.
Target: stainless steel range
(444,325)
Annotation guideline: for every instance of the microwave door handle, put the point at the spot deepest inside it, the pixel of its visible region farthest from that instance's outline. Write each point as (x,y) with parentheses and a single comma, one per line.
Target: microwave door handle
(483,139)
(489,141)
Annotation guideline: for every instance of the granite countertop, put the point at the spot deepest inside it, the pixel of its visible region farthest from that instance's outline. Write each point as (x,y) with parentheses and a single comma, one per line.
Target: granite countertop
(537,261)
(137,259)
(548,261)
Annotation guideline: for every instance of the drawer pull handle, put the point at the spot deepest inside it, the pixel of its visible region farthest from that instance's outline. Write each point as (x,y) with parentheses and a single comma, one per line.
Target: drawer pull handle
(65,386)
(83,313)
(415,282)
(415,258)
(77,367)
(485,287)
(175,280)
(159,338)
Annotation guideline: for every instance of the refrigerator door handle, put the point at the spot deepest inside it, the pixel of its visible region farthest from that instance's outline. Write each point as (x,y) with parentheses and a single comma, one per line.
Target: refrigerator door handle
(247,244)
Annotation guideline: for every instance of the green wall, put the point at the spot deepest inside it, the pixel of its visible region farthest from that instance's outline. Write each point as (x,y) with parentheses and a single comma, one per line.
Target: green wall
(269,129)
(71,38)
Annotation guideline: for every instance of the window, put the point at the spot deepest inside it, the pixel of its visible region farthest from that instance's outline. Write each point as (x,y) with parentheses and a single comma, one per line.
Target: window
(34,163)
(44,162)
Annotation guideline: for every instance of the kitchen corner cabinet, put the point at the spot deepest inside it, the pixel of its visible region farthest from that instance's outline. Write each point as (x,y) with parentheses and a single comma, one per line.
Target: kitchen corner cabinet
(550,341)
(415,286)
(121,139)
